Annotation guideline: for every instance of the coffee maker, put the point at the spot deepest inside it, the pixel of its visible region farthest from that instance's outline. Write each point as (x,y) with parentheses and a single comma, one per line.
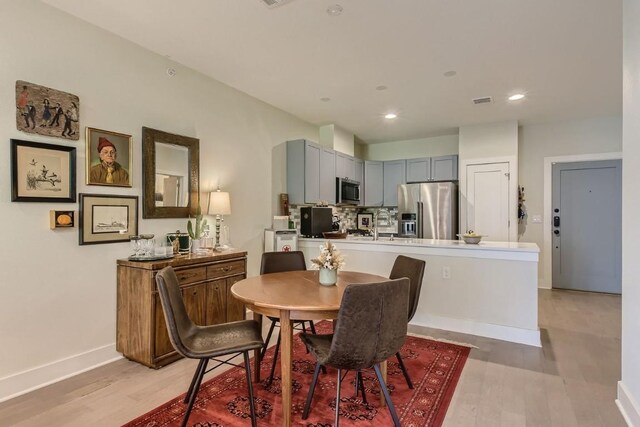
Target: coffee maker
(315,220)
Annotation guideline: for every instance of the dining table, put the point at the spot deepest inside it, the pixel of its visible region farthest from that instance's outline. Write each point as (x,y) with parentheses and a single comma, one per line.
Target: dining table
(294,295)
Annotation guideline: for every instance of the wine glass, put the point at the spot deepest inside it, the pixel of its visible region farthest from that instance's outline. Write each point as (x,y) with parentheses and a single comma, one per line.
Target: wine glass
(135,245)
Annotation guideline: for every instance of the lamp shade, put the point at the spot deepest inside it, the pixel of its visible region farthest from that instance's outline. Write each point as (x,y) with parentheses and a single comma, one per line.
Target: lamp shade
(219,203)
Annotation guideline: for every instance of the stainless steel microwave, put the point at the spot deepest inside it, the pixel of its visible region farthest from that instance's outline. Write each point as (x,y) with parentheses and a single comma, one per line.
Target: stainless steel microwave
(347,191)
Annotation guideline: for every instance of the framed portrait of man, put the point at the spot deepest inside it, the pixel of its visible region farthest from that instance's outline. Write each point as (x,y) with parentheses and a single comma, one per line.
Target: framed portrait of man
(108,158)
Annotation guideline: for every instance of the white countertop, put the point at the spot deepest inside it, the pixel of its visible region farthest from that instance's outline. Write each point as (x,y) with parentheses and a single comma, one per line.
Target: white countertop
(432,243)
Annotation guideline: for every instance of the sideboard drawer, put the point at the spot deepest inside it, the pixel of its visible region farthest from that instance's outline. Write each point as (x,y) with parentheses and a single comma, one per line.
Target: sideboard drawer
(191,275)
(225,269)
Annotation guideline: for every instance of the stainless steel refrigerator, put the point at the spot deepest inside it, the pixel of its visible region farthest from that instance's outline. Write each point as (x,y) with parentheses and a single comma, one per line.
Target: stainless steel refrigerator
(428,210)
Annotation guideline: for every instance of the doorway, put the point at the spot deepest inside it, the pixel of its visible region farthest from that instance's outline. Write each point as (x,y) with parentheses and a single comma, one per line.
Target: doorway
(488,200)
(586,222)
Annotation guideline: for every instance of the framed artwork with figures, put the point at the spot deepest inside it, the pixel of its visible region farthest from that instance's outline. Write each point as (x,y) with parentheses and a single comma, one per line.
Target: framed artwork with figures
(42,172)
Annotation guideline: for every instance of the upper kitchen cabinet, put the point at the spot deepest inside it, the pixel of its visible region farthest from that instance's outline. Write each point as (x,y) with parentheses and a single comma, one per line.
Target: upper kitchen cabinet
(441,168)
(345,166)
(359,176)
(328,175)
(394,173)
(373,183)
(310,173)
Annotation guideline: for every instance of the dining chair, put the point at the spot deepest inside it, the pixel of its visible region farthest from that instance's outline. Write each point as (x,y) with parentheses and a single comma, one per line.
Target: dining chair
(413,269)
(276,262)
(205,342)
(371,327)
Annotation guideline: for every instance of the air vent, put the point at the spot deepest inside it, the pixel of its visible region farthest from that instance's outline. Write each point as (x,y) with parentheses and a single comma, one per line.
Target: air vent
(483,100)
(275,3)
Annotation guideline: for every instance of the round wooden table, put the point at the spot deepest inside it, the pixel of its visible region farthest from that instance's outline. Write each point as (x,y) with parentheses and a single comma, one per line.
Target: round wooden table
(293,295)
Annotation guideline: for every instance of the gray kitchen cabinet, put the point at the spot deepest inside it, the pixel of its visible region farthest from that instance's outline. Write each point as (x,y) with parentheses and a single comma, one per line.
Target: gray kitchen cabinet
(345,166)
(328,175)
(419,170)
(373,183)
(444,168)
(303,171)
(359,176)
(394,174)
(439,168)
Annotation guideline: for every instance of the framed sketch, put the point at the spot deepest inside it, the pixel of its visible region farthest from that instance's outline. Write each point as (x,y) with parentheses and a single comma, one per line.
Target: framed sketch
(107,218)
(108,158)
(365,221)
(47,111)
(42,172)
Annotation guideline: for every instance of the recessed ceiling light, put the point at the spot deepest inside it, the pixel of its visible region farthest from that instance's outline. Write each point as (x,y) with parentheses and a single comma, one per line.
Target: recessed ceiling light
(325,99)
(450,73)
(334,10)
(381,88)
(390,116)
(516,97)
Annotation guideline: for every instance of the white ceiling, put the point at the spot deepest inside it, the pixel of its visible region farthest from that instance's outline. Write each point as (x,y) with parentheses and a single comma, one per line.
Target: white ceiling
(566,55)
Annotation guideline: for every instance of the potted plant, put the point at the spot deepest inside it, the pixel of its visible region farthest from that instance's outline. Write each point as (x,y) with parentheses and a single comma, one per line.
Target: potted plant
(329,261)
(198,232)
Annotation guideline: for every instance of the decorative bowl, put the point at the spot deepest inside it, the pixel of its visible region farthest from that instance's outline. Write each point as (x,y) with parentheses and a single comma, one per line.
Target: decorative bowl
(471,239)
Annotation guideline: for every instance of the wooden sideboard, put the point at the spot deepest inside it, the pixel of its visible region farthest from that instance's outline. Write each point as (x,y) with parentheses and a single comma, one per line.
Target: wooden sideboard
(205,281)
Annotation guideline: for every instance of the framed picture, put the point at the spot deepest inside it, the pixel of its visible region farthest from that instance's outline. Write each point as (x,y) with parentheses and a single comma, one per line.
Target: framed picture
(365,221)
(42,172)
(46,111)
(108,158)
(107,218)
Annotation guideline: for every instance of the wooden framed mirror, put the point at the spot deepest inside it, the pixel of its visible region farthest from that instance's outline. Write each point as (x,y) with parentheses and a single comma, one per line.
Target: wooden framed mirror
(171,174)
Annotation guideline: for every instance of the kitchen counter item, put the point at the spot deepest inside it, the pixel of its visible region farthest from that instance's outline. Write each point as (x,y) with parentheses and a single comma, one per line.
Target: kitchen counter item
(334,235)
(471,239)
(315,220)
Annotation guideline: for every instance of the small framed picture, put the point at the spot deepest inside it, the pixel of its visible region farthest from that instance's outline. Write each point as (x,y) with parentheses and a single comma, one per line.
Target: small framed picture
(365,221)
(107,218)
(42,172)
(61,219)
(108,158)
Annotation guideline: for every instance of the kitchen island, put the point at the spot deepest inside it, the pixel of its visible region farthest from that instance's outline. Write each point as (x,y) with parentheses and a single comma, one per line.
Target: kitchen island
(489,289)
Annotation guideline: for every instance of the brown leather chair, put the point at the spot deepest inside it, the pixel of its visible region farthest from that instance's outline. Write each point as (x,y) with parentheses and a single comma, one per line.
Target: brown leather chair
(371,327)
(413,269)
(205,342)
(276,262)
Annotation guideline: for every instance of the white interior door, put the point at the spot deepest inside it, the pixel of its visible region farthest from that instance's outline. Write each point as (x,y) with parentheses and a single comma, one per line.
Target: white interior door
(488,200)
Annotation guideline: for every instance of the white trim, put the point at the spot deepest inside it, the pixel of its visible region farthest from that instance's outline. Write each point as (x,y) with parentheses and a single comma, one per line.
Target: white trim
(465,326)
(628,407)
(546,279)
(513,190)
(32,379)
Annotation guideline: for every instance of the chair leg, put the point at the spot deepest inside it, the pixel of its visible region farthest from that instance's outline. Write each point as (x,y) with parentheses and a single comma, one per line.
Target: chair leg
(307,404)
(337,423)
(387,397)
(312,327)
(252,405)
(202,367)
(404,370)
(360,385)
(193,381)
(275,360)
(266,341)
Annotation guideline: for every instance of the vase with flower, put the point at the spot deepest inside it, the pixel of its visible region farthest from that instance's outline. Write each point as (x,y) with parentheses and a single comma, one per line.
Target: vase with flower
(328,262)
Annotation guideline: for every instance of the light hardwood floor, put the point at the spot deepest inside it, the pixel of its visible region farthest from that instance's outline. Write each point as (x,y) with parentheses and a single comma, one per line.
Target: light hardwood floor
(570,381)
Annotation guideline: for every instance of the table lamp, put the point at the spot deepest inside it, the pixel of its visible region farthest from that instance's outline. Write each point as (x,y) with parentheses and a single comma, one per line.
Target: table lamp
(219,204)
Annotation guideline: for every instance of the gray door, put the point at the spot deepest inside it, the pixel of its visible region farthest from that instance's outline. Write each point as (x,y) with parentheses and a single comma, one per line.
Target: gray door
(586,224)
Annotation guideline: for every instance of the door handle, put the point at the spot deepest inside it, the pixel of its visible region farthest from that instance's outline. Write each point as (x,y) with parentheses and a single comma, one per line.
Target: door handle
(556,232)
(556,221)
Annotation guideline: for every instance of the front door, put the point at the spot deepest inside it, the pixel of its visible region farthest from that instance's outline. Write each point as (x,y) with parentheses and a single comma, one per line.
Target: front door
(586,223)
(488,200)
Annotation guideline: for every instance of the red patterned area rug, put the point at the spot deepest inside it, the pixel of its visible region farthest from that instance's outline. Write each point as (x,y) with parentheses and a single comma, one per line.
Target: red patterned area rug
(434,367)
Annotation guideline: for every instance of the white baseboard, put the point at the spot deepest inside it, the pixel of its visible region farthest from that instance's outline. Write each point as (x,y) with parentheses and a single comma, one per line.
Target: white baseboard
(628,406)
(23,382)
(499,332)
